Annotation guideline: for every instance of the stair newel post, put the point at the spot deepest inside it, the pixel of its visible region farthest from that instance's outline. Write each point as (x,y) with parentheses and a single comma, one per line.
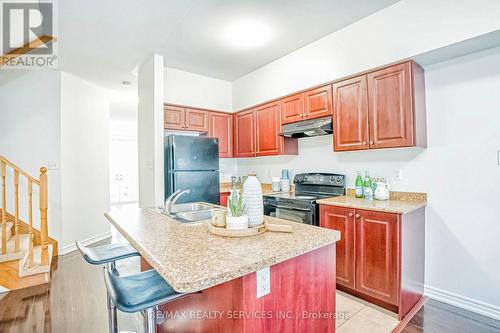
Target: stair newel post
(4,209)
(16,210)
(44,231)
(30,214)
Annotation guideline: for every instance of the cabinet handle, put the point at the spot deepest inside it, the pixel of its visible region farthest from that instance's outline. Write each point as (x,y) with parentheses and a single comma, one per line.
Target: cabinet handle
(364,143)
(350,214)
(371,142)
(358,216)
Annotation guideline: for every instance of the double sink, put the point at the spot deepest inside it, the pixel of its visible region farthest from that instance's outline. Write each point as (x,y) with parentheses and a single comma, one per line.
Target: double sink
(190,212)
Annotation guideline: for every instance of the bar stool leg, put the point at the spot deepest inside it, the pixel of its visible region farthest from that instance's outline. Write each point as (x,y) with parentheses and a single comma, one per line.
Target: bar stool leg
(112,320)
(150,321)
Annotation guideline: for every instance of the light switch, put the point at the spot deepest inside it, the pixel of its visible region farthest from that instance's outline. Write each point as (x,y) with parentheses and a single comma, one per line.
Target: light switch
(52,166)
(397,174)
(263,282)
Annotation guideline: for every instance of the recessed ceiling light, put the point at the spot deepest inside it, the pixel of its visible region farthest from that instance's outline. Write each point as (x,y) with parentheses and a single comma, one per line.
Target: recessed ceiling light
(247,33)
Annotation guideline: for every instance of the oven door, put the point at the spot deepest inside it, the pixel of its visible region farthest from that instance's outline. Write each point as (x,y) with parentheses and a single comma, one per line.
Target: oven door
(287,211)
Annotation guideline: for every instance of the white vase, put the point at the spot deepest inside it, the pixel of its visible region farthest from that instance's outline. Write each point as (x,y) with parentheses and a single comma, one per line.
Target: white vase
(237,223)
(252,198)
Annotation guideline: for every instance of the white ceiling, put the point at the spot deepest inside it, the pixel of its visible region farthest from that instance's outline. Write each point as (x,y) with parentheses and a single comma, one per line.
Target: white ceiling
(103,41)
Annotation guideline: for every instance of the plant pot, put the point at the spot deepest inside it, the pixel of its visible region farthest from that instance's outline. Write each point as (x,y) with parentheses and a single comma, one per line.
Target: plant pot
(237,223)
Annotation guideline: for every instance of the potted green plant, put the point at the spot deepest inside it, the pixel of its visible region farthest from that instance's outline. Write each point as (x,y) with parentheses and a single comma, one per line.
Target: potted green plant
(236,218)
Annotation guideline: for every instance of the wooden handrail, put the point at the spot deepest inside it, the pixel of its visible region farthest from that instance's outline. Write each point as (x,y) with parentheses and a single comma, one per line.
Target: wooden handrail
(4,208)
(44,237)
(16,168)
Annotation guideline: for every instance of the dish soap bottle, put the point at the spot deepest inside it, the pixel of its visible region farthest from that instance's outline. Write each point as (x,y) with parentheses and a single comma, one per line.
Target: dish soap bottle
(367,187)
(359,185)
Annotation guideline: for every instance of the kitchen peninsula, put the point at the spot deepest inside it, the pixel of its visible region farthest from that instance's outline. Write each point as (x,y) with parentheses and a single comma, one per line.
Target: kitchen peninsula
(221,272)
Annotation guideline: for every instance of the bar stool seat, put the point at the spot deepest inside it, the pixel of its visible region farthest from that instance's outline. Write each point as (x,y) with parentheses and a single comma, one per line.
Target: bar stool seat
(140,291)
(104,254)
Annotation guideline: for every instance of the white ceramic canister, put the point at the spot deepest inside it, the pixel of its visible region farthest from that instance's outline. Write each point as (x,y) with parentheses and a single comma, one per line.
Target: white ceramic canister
(252,198)
(276,184)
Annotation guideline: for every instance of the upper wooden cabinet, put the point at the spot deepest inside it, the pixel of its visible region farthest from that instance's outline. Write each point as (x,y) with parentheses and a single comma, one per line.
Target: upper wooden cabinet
(292,108)
(381,109)
(197,120)
(244,134)
(267,121)
(351,114)
(318,102)
(186,119)
(221,126)
(314,103)
(173,117)
(256,133)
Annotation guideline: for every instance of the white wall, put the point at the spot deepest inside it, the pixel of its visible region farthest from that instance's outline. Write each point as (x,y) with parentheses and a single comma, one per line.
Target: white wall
(458,170)
(84,159)
(30,137)
(403,30)
(150,135)
(197,90)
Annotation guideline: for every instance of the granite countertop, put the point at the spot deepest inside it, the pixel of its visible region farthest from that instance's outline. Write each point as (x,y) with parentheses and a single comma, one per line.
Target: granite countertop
(190,259)
(390,206)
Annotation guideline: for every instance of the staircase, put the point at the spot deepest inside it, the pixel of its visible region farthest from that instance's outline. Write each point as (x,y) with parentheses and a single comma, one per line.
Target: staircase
(25,253)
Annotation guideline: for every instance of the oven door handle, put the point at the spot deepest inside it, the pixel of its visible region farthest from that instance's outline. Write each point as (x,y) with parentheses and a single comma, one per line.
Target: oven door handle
(288,207)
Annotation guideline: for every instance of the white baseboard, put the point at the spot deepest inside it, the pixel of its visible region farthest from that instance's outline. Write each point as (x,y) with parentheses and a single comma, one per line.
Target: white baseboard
(89,241)
(463,302)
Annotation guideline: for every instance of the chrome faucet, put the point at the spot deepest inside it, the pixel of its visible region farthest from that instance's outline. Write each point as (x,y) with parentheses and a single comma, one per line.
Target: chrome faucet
(172,199)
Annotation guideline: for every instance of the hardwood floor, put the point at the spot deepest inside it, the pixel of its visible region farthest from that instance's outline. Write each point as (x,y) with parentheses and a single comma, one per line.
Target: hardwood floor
(74,301)
(435,316)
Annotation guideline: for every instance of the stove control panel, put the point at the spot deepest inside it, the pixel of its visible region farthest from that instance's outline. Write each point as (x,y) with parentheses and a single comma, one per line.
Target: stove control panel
(328,179)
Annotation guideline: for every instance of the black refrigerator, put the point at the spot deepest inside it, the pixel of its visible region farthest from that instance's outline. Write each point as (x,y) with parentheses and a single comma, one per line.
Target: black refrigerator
(192,163)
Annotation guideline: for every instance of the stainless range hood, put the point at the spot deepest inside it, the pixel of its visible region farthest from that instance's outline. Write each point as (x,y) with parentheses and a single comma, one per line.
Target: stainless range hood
(306,128)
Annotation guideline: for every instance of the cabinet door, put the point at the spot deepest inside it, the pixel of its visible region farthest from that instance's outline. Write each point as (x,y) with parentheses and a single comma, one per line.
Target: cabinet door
(244,134)
(197,120)
(390,110)
(267,126)
(318,102)
(342,219)
(350,114)
(174,117)
(292,108)
(377,255)
(221,127)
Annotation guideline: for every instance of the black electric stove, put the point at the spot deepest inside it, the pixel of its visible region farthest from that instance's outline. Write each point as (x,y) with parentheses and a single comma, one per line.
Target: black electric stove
(301,206)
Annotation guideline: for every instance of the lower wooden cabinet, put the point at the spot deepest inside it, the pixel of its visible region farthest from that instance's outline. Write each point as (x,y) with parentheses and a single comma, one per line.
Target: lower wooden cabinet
(223,198)
(380,256)
(377,246)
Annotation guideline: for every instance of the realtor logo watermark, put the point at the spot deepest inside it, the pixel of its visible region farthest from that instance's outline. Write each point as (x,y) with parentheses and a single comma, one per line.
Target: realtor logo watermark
(28,31)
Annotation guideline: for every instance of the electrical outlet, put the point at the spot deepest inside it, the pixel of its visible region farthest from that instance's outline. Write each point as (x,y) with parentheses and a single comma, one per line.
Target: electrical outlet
(263,282)
(52,166)
(397,174)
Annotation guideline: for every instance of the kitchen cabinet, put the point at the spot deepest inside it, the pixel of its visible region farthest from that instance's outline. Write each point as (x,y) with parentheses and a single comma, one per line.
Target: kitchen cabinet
(173,117)
(196,120)
(244,134)
(384,108)
(351,114)
(268,125)
(221,127)
(223,198)
(256,133)
(292,108)
(380,256)
(314,103)
(318,102)
(185,119)
(377,244)
(342,219)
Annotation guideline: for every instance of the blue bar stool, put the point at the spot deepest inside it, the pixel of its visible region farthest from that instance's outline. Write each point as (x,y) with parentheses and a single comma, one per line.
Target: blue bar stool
(107,255)
(140,292)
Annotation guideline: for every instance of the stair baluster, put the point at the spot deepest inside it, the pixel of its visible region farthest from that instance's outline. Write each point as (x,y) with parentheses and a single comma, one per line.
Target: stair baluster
(4,210)
(29,262)
(16,211)
(44,237)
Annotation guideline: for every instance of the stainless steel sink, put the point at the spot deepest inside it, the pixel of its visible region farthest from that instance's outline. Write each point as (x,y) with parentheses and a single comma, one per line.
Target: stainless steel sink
(189,207)
(194,216)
